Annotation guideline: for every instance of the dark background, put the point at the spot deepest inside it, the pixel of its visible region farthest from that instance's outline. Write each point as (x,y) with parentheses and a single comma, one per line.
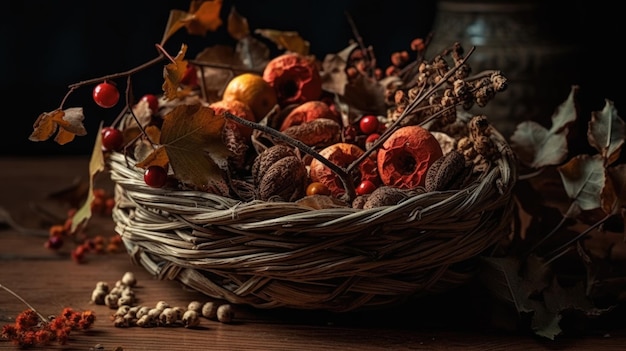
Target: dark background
(47,45)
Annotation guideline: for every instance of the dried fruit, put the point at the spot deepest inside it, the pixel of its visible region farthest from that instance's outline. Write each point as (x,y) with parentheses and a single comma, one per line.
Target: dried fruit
(320,132)
(294,77)
(239,109)
(405,157)
(252,90)
(448,172)
(342,154)
(307,112)
(284,180)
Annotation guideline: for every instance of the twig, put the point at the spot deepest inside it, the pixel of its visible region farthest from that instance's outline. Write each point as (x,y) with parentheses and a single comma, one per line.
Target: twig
(43,319)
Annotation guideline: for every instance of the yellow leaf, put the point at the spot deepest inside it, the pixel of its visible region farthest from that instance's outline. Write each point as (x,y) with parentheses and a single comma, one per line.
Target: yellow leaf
(173,73)
(290,41)
(192,138)
(96,165)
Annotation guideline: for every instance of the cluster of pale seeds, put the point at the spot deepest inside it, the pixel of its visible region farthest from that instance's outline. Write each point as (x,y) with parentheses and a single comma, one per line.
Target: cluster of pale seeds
(121,297)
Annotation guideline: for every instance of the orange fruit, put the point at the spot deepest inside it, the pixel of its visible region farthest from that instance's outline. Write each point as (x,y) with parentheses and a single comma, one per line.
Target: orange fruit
(251,89)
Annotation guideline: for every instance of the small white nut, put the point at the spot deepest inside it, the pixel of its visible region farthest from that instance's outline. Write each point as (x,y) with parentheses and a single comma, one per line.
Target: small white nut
(129,279)
(154,313)
(102,285)
(225,313)
(111,301)
(125,300)
(195,306)
(142,311)
(167,316)
(209,310)
(190,319)
(162,305)
(97,296)
(145,321)
(122,310)
(179,312)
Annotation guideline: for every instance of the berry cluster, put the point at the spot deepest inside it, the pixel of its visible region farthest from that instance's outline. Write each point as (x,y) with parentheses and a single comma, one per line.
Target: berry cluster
(30,331)
(102,204)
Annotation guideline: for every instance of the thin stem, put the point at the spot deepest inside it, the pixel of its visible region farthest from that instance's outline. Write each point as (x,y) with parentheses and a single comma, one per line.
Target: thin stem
(554,230)
(145,65)
(43,319)
(359,41)
(579,236)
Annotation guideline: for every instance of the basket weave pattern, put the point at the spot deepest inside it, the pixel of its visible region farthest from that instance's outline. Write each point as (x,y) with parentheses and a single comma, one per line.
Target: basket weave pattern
(283,254)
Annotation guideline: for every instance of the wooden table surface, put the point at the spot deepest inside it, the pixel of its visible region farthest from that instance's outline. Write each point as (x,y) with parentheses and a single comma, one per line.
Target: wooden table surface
(50,281)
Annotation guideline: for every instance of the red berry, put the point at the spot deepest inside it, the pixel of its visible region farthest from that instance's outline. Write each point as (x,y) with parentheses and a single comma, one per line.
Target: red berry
(155,176)
(54,242)
(365,187)
(190,76)
(112,139)
(370,140)
(106,95)
(369,124)
(153,102)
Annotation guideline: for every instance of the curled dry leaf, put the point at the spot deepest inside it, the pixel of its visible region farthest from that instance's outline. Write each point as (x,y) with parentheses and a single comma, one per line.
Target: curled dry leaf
(537,146)
(606,132)
(68,123)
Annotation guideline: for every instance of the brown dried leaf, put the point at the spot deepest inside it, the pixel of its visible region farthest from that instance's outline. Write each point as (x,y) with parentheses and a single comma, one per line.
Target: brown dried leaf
(537,146)
(203,16)
(173,73)
(584,179)
(191,136)
(96,165)
(70,122)
(238,27)
(606,132)
(365,95)
(287,40)
(333,73)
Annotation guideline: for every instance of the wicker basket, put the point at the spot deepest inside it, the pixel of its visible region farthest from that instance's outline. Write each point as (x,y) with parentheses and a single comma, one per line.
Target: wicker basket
(281,254)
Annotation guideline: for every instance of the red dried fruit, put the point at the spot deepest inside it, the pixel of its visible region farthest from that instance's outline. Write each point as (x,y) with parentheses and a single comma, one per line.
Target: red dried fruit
(239,109)
(306,112)
(342,154)
(405,157)
(296,78)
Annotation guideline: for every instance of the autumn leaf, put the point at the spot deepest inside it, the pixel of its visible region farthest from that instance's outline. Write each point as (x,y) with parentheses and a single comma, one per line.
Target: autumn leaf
(237,25)
(96,165)
(173,73)
(583,178)
(192,138)
(531,288)
(287,40)
(203,16)
(537,146)
(606,132)
(333,73)
(68,123)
